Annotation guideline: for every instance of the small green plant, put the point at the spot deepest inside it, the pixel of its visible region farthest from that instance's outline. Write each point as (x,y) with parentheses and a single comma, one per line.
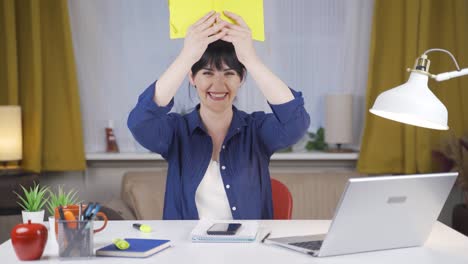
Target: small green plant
(61,198)
(317,141)
(33,200)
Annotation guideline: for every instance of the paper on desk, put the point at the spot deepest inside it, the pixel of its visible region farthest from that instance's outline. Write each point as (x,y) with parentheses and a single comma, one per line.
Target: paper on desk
(184,13)
(246,233)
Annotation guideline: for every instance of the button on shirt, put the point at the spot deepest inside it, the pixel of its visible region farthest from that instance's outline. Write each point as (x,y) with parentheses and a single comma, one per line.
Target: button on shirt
(183,141)
(210,198)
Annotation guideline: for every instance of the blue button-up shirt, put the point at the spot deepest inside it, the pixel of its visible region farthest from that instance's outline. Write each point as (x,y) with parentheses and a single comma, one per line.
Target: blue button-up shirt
(184,143)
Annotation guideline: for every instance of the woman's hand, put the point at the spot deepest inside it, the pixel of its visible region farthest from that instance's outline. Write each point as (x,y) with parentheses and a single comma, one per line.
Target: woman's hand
(241,37)
(202,33)
(275,90)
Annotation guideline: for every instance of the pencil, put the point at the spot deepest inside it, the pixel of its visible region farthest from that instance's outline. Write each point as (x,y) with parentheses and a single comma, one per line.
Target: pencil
(265,237)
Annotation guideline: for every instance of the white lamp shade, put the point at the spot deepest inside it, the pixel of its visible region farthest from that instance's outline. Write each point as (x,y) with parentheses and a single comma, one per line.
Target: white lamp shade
(11,147)
(338,118)
(412,103)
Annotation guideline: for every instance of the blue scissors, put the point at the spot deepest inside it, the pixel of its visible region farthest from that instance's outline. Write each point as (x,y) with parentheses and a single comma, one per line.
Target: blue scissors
(91,210)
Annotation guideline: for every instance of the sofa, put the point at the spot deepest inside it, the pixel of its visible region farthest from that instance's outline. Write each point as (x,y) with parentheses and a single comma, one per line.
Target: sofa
(315,194)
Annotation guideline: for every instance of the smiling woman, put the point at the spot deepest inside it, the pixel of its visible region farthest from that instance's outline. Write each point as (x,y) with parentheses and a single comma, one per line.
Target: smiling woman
(218,155)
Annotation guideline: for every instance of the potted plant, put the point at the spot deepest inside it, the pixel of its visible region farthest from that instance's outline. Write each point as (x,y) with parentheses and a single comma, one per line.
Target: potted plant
(317,140)
(60,198)
(32,201)
(453,156)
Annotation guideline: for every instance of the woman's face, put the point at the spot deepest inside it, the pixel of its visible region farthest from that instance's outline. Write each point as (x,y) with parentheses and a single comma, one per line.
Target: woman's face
(216,88)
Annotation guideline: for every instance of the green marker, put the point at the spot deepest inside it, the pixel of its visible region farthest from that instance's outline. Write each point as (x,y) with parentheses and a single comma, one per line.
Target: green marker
(121,244)
(143,228)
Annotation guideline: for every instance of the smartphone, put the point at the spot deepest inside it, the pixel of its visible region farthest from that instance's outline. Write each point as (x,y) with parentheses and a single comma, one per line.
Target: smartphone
(223,229)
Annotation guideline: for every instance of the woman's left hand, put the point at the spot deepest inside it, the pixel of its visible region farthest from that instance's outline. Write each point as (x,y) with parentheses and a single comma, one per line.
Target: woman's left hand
(241,37)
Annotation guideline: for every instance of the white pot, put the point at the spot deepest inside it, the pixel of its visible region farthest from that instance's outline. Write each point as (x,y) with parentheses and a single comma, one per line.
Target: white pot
(35,217)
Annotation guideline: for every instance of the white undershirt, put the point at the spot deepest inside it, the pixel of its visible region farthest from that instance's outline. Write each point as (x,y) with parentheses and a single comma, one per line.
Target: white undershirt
(210,197)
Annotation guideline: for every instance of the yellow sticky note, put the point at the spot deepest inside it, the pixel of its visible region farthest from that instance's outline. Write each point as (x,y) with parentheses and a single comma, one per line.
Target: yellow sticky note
(184,13)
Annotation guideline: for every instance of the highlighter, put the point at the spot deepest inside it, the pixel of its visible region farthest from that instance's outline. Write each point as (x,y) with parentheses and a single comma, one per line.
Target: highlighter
(143,228)
(121,244)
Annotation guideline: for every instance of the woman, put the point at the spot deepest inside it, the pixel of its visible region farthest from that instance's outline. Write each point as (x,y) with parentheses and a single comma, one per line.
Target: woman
(218,156)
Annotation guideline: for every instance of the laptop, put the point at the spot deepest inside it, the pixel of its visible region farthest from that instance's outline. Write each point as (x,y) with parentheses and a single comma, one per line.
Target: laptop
(378,213)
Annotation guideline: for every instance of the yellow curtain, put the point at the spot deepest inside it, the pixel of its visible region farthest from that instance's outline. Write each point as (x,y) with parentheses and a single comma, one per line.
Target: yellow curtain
(37,71)
(402,30)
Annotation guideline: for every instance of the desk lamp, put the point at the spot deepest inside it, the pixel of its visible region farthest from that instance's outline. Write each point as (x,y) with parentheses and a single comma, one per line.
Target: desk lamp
(413,102)
(11,147)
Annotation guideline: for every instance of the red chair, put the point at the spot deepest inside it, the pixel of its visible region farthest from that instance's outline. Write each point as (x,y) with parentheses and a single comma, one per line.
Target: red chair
(282,200)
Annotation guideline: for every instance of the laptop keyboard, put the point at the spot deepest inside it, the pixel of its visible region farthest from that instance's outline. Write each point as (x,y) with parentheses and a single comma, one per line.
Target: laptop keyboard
(312,245)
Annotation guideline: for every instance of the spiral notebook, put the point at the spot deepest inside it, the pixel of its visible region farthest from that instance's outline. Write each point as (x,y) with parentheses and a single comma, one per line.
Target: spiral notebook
(246,233)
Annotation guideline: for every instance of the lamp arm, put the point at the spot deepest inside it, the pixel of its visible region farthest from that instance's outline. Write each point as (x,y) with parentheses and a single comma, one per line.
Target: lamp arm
(449,75)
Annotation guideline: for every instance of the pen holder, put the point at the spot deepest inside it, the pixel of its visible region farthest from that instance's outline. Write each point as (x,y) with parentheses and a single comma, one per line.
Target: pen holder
(75,210)
(75,239)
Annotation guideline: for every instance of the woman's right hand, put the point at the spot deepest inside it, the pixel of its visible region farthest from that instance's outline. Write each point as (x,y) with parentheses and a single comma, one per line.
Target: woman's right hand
(202,33)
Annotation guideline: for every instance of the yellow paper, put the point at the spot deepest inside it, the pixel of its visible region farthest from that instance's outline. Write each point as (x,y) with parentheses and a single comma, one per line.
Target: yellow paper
(184,13)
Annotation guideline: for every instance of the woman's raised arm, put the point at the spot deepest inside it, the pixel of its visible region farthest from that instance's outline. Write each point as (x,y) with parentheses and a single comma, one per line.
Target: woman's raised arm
(272,87)
(199,35)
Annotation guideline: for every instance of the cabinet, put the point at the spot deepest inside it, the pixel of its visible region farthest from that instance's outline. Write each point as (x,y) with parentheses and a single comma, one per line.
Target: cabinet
(10,211)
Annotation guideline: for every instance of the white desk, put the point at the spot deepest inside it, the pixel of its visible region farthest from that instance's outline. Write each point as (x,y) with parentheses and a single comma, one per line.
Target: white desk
(443,246)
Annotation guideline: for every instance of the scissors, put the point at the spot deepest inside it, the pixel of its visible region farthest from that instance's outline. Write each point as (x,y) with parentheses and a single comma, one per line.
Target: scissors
(91,210)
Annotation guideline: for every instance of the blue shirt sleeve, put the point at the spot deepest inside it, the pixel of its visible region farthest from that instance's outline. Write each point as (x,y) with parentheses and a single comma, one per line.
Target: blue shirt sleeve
(152,125)
(285,126)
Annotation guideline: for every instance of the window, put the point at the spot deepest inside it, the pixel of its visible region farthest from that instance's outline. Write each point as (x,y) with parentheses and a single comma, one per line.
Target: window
(317,47)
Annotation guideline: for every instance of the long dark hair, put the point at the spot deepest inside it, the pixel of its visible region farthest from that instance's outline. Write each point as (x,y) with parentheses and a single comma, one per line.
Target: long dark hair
(216,54)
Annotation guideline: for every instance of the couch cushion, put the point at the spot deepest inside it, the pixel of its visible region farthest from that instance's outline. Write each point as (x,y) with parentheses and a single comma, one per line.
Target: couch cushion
(148,202)
(144,192)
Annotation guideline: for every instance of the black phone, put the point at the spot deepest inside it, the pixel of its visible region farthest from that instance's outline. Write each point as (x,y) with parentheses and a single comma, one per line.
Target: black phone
(223,229)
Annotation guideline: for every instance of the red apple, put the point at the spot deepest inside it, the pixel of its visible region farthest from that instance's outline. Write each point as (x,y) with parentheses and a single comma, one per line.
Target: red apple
(29,240)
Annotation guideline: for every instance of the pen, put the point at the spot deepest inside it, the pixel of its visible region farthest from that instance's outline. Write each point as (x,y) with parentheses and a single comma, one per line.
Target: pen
(79,216)
(265,237)
(61,214)
(79,212)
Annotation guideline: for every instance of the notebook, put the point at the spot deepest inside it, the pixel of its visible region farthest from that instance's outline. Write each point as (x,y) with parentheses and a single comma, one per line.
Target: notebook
(246,233)
(184,13)
(139,248)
